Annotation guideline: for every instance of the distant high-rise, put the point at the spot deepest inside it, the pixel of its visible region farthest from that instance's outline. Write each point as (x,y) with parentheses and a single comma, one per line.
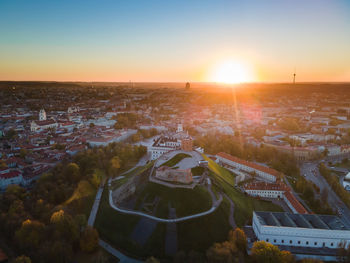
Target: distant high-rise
(187,85)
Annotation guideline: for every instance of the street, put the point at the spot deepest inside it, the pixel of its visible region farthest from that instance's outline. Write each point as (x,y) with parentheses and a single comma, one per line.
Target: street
(311,173)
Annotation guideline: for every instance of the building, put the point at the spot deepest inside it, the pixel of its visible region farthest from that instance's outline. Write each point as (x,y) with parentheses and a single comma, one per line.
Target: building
(168,174)
(42,115)
(8,177)
(162,145)
(41,125)
(187,144)
(301,230)
(232,162)
(275,190)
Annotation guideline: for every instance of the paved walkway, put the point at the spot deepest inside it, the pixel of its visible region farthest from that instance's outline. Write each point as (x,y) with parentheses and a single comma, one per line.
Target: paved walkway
(95,206)
(123,258)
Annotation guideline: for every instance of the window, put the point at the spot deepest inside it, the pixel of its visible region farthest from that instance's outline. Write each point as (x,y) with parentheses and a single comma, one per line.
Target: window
(307,242)
(324,244)
(331,244)
(282,241)
(274,240)
(267,240)
(315,243)
(299,242)
(290,241)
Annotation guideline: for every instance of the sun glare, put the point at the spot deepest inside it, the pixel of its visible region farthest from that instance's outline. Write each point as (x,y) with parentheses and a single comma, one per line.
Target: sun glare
(231,72)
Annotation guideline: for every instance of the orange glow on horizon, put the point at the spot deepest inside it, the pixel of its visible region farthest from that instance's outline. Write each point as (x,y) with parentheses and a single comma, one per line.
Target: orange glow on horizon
(231,72)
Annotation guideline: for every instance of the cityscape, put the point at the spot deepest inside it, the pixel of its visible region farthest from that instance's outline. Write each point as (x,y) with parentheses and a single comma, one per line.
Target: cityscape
(117,147)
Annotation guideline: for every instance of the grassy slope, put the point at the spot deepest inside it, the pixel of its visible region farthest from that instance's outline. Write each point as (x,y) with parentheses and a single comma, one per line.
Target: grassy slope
(186,201)
(244,205)
(199,234)
(176,159)
(221,172)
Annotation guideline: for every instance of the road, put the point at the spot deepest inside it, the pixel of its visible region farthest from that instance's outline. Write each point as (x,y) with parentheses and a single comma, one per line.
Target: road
(311,172)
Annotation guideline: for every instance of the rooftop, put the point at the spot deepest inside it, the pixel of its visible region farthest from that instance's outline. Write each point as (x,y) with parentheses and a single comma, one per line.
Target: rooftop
(250,164)
(283,219)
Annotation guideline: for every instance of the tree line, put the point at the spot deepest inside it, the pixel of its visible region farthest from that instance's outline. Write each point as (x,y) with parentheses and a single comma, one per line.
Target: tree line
(48,223)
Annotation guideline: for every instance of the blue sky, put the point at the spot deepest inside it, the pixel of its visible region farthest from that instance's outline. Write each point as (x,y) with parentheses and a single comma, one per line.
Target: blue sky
(173,40)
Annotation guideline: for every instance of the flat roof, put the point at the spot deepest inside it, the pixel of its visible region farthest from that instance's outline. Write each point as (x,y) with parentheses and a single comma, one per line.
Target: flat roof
(284,219)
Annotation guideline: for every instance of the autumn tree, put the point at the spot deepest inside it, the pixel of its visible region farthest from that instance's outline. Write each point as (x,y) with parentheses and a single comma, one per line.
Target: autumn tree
(262,252)
(30,235)
(222,252)
(89,240)
(239,238)
(21,259)
(114,165)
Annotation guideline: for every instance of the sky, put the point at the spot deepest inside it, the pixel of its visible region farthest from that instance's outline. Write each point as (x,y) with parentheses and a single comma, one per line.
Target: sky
(184,40)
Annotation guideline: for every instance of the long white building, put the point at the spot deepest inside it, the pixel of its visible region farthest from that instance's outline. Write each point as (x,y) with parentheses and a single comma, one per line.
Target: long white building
(232,162)
(275,190)
(300,230)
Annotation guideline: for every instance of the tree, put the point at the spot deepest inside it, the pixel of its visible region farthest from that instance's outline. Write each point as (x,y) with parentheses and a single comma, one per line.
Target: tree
(22,259)
(30,235)
(221,252)
(152,260)
(72,172)
(114,165)
(262,252)
(325,152)
(239,238)
(23,153)
(89,240)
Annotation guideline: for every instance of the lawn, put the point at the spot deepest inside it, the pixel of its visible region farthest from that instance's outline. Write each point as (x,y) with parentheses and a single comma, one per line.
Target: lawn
(116,229)
(199,234)
(176,159)
(220,171)
(244,204)
(186,201)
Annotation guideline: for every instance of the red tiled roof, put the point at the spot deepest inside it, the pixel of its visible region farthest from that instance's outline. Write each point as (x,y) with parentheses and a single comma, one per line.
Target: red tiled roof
(250,164)
(46,122)
(266,186)
(295,203)
(11,174)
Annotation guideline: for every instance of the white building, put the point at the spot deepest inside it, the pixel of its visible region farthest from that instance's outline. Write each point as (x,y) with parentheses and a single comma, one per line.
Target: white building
(42,115)
(163,145)
(230,162)
(8,177)
(36,126)
(275,190)
(300,230)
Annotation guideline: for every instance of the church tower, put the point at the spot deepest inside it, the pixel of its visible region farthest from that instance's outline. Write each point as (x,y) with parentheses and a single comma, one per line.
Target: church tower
(42,115)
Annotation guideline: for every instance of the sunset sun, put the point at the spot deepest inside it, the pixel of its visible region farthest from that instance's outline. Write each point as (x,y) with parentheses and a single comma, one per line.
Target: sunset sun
(231,72)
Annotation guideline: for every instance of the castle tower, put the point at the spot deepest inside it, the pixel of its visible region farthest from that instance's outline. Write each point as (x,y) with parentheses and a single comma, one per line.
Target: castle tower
(42,115)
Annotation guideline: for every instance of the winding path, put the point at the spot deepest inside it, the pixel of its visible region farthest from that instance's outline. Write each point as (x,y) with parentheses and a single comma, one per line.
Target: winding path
(215,205)
(232,209)
(123,258)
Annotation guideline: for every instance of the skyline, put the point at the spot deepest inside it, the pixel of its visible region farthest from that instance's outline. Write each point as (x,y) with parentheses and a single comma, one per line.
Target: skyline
(174,42)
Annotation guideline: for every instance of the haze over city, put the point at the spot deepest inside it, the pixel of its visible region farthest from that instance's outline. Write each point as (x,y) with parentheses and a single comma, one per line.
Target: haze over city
(174,131)
(197,41)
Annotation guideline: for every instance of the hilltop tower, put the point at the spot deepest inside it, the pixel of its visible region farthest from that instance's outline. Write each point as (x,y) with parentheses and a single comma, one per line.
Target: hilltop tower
(187,86)
(42,115)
